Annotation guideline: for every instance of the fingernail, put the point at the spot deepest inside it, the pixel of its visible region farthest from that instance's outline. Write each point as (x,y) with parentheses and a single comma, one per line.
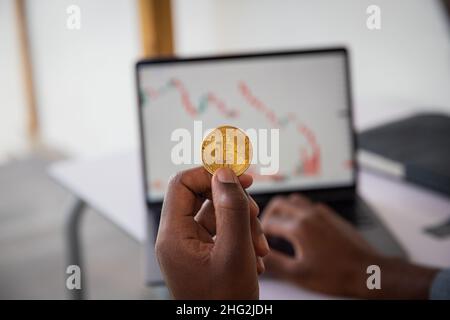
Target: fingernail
(263,243)
(226,175)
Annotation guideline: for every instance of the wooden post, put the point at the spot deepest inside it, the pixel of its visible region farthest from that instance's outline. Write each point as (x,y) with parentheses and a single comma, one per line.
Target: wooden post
(156,27)
(27,71)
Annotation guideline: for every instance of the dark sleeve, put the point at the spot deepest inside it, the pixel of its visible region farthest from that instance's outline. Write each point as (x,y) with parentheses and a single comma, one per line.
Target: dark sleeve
(440,288)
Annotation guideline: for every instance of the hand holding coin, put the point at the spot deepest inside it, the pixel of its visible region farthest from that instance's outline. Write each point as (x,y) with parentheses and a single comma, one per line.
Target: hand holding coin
(213,248)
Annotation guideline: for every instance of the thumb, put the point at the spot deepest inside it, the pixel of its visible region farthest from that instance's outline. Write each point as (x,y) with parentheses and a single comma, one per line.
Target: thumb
(232,211)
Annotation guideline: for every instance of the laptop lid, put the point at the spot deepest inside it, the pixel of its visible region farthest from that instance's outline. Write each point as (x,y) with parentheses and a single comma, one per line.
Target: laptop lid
(295,106)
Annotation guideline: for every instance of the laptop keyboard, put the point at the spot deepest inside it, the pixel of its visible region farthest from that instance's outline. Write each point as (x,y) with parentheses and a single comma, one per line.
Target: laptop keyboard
(356,212)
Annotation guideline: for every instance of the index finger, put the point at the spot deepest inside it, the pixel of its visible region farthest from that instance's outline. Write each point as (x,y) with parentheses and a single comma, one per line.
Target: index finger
(188,189)
(283,207)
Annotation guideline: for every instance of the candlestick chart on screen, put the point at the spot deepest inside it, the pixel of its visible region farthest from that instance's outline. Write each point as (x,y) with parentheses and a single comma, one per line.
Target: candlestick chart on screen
(307,151)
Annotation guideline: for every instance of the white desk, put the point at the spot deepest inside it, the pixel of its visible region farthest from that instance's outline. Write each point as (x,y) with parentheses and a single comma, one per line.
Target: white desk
(112,185)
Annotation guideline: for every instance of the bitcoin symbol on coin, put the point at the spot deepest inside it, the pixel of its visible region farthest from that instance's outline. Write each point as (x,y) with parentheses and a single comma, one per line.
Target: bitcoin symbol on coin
(229,147)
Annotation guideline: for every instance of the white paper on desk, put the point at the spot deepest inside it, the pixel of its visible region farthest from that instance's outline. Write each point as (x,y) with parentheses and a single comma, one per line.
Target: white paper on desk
(273,289)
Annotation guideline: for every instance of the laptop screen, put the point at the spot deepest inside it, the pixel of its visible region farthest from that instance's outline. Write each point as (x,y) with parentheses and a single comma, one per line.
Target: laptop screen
(293,106)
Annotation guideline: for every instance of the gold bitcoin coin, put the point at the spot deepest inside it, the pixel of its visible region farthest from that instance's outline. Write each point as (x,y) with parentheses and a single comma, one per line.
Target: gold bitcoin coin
(229,147)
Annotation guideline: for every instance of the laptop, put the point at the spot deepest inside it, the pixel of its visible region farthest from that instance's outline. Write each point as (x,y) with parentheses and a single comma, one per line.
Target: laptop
(302,96)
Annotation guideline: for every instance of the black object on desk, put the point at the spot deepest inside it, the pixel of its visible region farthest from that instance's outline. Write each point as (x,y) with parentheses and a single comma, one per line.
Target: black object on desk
(416,149)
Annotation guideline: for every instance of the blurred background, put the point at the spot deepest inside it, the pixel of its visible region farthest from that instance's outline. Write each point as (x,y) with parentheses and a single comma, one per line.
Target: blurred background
(68,91)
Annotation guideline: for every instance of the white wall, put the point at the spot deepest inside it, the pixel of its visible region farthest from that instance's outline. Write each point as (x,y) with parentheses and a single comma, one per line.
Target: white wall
(84,78)
(404,65)
(12,103)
